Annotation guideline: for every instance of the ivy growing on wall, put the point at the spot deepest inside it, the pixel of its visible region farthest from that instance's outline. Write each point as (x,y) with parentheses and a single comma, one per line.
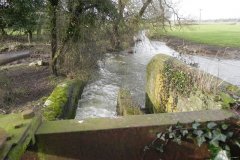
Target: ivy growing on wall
(219,137)
(178,79)
(184,81)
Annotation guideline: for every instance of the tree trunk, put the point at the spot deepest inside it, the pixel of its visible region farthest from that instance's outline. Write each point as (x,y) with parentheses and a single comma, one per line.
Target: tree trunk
(53,13)
(29,33)
(39,31)
(116,25)
(144,7)
(116,36)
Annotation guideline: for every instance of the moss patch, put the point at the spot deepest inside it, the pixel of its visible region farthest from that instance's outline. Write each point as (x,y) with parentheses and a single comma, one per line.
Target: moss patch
(226,100)
(56,101)
(62,103)
(155,90)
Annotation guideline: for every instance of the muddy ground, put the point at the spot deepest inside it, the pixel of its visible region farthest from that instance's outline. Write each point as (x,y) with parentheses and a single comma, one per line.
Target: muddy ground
(23,86)
(187,47)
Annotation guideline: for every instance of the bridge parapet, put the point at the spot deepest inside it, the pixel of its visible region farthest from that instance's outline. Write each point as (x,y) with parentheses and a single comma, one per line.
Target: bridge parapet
(112,138)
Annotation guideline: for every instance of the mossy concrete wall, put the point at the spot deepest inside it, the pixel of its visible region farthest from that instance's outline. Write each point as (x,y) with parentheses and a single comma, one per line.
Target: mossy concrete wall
(62,103)
(125,104)
(173,86)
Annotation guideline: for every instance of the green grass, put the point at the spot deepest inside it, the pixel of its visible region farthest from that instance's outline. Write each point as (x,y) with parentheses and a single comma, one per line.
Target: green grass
(213,34)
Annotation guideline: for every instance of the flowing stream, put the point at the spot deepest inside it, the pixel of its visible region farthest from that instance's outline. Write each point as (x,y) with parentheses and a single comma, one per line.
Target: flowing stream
(99,98)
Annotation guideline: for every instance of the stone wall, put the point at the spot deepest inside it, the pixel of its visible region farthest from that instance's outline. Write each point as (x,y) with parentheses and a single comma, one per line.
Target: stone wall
(62,103)
(173,86)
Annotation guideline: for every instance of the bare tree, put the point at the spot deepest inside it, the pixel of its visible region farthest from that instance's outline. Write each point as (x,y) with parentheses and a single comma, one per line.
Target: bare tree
(53,4)
(131,14)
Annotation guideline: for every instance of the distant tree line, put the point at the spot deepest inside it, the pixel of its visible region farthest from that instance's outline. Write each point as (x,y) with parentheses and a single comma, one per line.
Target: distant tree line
(20,15)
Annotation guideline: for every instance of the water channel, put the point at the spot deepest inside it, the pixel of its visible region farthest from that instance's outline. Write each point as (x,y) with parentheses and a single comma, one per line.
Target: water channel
(99,98)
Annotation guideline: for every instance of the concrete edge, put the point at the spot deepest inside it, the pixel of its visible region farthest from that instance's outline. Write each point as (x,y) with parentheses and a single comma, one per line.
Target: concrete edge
(163,119)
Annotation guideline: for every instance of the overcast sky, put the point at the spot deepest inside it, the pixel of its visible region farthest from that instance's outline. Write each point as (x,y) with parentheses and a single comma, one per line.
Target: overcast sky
(211,9)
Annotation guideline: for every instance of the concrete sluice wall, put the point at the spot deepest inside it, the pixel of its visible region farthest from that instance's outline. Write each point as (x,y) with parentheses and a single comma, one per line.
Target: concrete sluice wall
(63,101)
(173,86)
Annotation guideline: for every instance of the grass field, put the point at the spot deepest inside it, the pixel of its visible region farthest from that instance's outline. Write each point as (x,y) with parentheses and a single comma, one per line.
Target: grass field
(213,34)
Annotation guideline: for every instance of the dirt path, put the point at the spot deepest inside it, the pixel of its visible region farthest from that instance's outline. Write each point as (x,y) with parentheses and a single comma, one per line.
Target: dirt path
(23,86)
(187,47)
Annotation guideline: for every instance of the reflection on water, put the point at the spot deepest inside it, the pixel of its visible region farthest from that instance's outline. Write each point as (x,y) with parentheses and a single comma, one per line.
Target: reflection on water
(129,70)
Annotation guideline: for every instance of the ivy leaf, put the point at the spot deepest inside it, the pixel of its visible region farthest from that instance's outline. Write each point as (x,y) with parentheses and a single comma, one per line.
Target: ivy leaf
(229,134)
(171,135)
(237,143)
(208,135)
(189,136)
(184,132)
(163,137)
(217,135)
(169,129)
(215,143)
(198,133)
(222,155)
(224,126)
(159,135)
(178,140)
(195,125)
(200,140)
(179,126)
(227,148)
(222,137)
(211,125)
(216,131)
(160,148)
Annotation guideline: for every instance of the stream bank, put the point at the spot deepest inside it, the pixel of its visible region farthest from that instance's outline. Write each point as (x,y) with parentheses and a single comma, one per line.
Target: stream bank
(187,47)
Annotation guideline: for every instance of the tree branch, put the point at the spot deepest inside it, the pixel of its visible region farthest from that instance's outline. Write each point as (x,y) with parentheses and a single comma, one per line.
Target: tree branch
(144,7)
